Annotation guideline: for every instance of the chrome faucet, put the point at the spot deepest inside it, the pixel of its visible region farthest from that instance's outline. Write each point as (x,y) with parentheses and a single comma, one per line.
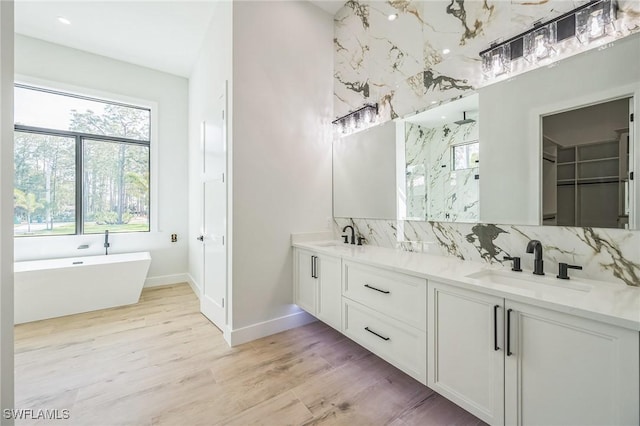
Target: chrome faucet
(353,234)
(535,247)
(106,242)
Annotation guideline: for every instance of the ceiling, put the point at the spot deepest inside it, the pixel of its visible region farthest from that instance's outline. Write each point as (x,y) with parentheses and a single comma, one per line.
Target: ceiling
(595,123)
(163,35)
(448,113)
(331,6)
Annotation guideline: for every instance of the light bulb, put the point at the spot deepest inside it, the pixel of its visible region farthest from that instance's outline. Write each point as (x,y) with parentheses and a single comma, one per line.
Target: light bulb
(541,48)
(596,27)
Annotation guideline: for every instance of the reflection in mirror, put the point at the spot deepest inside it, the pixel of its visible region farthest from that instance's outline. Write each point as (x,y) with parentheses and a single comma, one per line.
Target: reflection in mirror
(441,151)
(586,166)
(364,173)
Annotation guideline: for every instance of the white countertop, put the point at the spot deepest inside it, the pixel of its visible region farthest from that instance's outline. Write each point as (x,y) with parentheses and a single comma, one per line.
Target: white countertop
(612,303)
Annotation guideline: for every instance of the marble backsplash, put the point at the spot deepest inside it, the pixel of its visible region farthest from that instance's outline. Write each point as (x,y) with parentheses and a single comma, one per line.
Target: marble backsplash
(605,254)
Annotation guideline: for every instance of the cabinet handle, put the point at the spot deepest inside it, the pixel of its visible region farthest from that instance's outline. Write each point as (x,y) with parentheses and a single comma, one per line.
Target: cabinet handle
(509,353)
(377,289)
(314,267)
(495,327)
(379,335)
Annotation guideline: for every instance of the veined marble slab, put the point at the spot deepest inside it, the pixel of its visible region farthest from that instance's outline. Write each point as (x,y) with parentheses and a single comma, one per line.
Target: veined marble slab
(401,64)
(611,255)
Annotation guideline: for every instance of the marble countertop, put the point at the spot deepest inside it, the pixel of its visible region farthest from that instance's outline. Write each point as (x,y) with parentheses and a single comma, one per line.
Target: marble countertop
(612,303)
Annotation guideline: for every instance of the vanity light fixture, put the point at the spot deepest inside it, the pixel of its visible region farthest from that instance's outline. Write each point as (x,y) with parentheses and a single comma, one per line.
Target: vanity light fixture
(595,21)
(586,23)
(497,61)
(539,44)
(359,119)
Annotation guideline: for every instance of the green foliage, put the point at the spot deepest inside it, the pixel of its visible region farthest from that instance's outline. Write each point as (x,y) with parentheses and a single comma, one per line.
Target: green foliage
(111,218)
(116,175)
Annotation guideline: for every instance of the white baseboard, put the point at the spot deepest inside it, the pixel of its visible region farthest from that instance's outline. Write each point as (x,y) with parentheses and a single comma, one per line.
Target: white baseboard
(166,280)
(267,328)
(194,285)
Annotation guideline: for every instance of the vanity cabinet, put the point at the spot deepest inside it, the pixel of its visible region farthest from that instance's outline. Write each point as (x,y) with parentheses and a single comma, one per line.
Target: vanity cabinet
(463,362)
(385,312)
(317,286)
(516,364)
(565,370)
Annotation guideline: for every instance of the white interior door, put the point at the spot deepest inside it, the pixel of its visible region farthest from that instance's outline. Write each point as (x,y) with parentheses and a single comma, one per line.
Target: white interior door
(214,193)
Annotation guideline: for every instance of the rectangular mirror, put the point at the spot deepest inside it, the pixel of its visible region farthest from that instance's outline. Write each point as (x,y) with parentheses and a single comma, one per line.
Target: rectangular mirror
(586,165)
(364,173)
(441,150)
(425,169)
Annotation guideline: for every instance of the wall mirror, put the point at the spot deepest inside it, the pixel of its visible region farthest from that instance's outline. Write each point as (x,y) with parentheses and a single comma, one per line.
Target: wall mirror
(585,170)
(440,168)
(364,173)
(423,167)
(513,117)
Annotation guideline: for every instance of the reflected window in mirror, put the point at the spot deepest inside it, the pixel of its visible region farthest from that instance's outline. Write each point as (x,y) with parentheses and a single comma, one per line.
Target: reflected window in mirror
(585,165)
(465,156)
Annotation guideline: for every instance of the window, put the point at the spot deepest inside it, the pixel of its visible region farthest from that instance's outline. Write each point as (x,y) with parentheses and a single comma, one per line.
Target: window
(81,164)
(465,156)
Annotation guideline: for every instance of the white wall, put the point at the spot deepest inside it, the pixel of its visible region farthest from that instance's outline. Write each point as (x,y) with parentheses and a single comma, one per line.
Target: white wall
(47,61)
(510,146)
(282,109)
(206,82)
(6,207)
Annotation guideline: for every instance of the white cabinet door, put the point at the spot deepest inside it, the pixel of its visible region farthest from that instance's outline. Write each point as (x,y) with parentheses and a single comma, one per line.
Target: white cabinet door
(565,370)
(466,352)
(305,283)
(329,308)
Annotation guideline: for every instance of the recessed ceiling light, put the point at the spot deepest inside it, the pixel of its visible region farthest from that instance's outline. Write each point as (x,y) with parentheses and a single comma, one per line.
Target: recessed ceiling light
(392,17)
(443,117)
(434,102)
(64,20)
(446,51)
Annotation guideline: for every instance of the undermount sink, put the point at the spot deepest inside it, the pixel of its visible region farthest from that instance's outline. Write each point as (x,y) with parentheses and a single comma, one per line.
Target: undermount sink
(326,243)
(529,281)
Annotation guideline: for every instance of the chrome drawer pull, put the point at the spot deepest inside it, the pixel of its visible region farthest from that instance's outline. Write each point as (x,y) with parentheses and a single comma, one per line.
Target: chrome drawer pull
(380,336)
(377,289)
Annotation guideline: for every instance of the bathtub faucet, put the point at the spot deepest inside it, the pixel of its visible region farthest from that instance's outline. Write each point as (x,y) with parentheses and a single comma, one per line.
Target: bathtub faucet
(106,242)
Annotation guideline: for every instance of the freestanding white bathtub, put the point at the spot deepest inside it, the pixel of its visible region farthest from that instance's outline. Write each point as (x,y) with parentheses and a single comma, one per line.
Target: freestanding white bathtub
(57,287)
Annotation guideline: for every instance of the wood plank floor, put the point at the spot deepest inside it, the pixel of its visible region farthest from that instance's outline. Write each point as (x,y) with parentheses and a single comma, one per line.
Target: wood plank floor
(160,362)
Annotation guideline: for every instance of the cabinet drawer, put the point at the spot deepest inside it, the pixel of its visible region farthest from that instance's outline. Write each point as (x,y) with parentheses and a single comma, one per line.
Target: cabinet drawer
(401,345)
(400,296)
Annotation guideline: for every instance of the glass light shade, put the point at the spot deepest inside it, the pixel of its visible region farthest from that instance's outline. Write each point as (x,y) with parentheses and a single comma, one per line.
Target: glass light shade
(368,115)
(497,61)
(595,21)
(351,123)
(539,44)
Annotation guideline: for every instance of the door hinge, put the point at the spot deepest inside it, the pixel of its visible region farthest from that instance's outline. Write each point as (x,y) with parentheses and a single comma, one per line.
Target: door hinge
(631,118)
(223,178)
(223,114)
(223,302)
(223,240)
(631,176)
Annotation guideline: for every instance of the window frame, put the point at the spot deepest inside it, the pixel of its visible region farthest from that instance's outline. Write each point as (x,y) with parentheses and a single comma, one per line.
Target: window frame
(453,154)
(80,137)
